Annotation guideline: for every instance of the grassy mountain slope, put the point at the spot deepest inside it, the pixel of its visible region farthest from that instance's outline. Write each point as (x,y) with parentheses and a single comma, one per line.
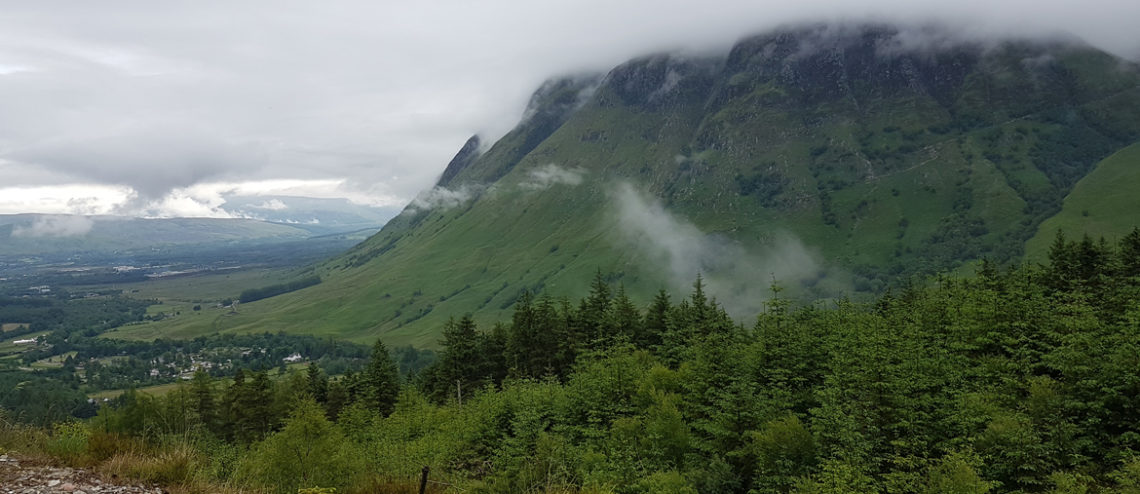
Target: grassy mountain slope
(1103,203)
(829,158)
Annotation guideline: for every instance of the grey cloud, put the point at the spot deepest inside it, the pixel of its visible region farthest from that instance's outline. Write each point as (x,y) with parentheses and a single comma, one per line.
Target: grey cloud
(55,226)
(165,94)
(151,160)
(737,276)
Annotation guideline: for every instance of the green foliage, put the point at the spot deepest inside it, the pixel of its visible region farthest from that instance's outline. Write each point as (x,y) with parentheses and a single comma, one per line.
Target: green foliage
(381,380)
(1018,380)
(69,441)
(309,451)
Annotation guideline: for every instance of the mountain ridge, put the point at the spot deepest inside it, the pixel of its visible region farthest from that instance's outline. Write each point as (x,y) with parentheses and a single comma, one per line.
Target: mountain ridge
(830,159)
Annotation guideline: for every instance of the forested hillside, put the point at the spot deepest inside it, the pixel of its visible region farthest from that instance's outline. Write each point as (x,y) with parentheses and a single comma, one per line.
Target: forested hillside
(1018,380)
(837,159)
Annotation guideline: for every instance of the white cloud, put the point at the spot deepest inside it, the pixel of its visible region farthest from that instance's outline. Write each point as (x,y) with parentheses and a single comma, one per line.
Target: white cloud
(272,205)
(443,198)
(55,226)
(548,175)
(737,276)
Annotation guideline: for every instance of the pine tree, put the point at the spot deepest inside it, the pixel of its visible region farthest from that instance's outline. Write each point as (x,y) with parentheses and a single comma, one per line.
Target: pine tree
(656,322)
(493,347)
(1129,254)
(233,413)
(318,383)
(461,364)
(623,319)
(522,335)
(338,398)
(593,311)
(381,381)
(202,394)
(256,404)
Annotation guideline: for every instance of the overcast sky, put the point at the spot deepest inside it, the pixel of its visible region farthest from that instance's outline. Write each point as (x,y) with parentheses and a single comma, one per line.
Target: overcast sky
(166,108)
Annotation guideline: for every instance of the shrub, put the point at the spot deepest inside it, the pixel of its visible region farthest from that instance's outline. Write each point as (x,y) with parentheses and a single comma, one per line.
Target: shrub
(308,452)
(68,442)
(170,465)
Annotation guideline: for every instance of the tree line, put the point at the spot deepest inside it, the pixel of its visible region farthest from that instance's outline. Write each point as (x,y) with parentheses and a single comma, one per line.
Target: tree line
(1023,379)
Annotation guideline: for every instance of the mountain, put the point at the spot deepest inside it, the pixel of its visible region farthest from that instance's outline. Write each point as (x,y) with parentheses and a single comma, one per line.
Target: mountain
(42,234)
(827,158)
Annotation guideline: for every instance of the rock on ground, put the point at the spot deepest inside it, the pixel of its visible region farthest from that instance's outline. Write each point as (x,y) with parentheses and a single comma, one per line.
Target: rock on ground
(25,476)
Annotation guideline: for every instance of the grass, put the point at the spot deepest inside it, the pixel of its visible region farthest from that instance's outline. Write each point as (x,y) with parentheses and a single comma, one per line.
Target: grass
(202,288)
(11,326)
(156,390)
(53,362)
(10,347)
(1104,203)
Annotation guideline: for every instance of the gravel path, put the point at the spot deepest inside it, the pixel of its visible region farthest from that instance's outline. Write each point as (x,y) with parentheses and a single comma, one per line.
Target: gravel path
(23,476)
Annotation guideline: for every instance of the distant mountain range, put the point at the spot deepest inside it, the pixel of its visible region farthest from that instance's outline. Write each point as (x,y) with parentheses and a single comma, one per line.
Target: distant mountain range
(829,159)
(279,219)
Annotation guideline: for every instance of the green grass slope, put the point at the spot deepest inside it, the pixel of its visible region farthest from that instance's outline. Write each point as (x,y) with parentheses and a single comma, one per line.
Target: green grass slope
(1104,203)
(832,162)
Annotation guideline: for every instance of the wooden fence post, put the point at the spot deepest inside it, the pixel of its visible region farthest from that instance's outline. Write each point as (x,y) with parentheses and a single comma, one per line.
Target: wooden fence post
(423,480)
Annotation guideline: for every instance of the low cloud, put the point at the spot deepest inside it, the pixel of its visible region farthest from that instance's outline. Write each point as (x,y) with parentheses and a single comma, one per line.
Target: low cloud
(443,198)
(739,278)
(55,226)
(546,176)
(272,205)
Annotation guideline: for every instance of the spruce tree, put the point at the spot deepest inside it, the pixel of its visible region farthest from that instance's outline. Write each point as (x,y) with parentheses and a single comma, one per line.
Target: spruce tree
(202,394)
(656,321)
(381,381)
(318,383)
(623,318)
(1130,254)
(461,364)
(593,311)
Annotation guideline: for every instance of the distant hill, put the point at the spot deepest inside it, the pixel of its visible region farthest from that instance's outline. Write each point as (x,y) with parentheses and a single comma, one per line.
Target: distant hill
(40,234)
(317,215)
(831,159)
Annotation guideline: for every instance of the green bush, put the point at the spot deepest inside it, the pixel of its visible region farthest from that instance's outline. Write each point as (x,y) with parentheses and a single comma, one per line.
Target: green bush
(309,451)
(69,442)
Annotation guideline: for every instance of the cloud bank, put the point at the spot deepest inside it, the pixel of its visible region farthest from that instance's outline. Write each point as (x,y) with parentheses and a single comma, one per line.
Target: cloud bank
(55,226)
(736,276)
(376,96)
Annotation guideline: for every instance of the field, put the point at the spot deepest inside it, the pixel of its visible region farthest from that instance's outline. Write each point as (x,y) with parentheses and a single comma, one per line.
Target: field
(156,390)
(179,295)
(161,389)
(11,326)
(201,288)
(8,347)
(53,362)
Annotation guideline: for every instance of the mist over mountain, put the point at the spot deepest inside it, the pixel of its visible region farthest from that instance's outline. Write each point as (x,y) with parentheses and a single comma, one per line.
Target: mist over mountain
(830,159)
